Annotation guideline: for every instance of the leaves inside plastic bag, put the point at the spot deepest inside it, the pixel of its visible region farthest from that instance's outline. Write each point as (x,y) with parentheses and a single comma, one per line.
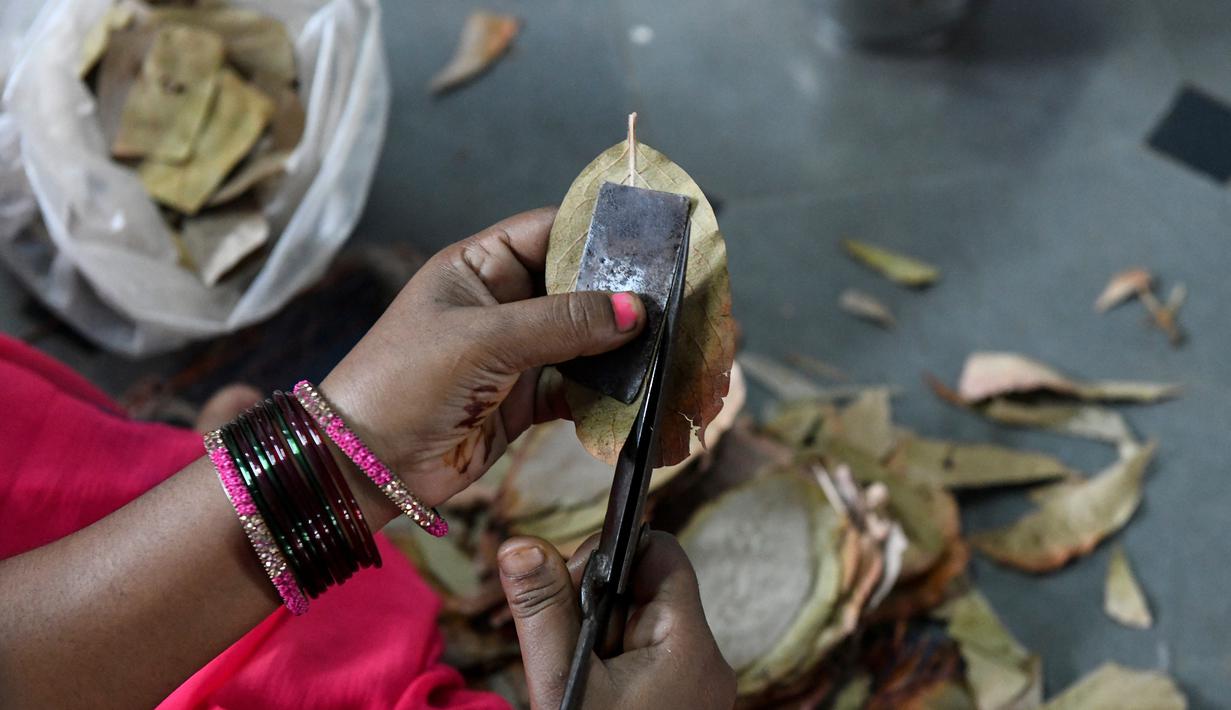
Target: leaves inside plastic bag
(258,45)
(1123,599)
(705,346)
(232,127)
(866,306)
(974,465)
(259,167)
(991,374)
(117,17)
(1114,686)
(895,266)
(217,243)
(167,106)
(1072,522)
(486,36)
(118,71)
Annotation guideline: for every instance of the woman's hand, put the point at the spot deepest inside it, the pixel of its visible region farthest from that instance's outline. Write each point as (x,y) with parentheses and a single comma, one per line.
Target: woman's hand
(669,658)
(450,374)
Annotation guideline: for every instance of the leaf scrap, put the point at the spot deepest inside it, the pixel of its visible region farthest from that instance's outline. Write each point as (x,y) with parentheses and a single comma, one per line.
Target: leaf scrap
(167,106)
(1072,523)
(486,36)
(865,306)
(1165,316)
(1123,286)
(217,243)
(895,266)
(992,374)
(1084,421)
(705,346)
(1114,686)
(1003,674)
(258,45)
(1123,599)
(974,465)
(117,17)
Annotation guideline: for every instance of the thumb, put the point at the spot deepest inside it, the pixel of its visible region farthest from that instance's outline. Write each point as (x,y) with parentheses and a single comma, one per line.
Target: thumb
(539,590)
(554,329)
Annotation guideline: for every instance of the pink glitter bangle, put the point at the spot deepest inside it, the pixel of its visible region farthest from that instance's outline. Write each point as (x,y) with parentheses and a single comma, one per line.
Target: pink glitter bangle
(358,452)
(254,526)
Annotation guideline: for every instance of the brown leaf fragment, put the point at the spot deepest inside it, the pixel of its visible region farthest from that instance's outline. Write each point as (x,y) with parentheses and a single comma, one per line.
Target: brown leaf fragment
(217,243)
(705,346)
(1123,286)
(974,465)
(236,121)
(992,374)
(117,17)
(866,423)
(1164,316)
(895,266)
(167,107)
(1084,421)
(486,36)
(259,167)
(1114,686)
(1002,673)
(863,305)
(287,122)
(258,45)
(1123,599)
(1072,524)
(118,71)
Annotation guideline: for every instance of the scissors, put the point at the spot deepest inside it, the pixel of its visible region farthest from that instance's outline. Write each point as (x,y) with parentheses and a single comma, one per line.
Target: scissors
(604,581)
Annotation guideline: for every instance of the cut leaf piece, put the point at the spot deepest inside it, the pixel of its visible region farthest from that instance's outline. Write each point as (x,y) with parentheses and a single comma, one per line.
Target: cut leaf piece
(1003,674)
(167,106)
(118,71)
(217,243)
(117,17)
(258,168)
(486,36)
(1123,286)
(1070,525)
(1114,686)
(1164,316)
(866,423)
(258,45)
(974,465)
(232,127)
(705,346)
(1080,420)
(991,374)
(1123,599)
(865,306)
(895,266)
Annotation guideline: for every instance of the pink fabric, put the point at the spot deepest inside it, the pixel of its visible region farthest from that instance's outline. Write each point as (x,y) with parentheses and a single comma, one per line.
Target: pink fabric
(70,458)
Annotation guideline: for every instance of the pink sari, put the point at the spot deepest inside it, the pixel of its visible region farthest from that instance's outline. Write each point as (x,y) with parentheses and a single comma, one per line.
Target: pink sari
(71,457)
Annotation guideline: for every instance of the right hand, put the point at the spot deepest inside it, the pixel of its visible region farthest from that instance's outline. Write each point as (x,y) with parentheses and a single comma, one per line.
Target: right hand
(669,657)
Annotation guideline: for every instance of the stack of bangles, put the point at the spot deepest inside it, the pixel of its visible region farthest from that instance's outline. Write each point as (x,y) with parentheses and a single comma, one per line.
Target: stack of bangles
(291,498)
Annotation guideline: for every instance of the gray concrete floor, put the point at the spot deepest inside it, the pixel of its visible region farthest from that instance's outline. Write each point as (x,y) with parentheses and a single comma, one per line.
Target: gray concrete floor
(1015,162)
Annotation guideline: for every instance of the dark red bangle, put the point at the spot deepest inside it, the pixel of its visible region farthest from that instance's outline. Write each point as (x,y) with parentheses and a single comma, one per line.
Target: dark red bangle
(311,508)
(337,490)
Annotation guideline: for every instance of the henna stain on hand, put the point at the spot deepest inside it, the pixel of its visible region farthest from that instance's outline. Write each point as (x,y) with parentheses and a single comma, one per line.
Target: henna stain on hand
(461,456)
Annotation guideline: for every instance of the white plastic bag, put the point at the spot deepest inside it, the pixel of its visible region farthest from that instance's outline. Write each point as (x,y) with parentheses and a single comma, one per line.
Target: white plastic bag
(102,258)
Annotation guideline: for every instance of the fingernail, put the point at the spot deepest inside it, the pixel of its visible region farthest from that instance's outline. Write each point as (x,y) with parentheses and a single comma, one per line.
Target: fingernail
(520,560)
(627,310)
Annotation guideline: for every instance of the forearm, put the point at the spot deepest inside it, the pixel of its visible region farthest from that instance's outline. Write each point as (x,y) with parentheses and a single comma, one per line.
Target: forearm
(121,612)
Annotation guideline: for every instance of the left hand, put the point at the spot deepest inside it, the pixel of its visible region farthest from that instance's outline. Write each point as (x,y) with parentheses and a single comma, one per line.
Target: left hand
(451,373)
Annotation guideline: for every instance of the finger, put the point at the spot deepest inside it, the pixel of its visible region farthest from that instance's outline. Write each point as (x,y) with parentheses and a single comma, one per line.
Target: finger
(553,329)
(541,596)
(507,255)
(667,600)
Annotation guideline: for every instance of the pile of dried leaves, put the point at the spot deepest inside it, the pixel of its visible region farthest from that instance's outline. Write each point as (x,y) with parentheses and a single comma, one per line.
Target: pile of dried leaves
(201,100)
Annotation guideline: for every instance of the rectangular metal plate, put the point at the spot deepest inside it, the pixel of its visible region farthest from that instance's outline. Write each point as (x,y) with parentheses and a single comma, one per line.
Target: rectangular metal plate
(635,235)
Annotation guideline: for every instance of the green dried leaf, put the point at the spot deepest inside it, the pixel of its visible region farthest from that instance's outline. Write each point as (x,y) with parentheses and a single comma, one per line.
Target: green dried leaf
(974,465)
(866,306)
(1003,674)
(485,38)
(854,694)
(256,44)
(865,423)
(232,127)
(1114,686)
(993,374)
(117,17)
(118,72)
(1080,420)
(895,266)
(1123,599)
(705,346)
(1070,525)
(217,243)
(260,167)
(167,106)
(1122,287)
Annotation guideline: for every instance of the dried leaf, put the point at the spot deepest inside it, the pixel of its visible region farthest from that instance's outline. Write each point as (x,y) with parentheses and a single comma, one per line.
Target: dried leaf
(1122,287)
(1080,420)
(865,306)
(256,44)
(1070,525)
(167,106)
(1123,599)
(232,127)
(974,465)
(117,73)
(991,374)
(117,17)
(1164,317)
(818,367)
(485,37)
(854,694)
(940,583)
(895,266)
(705,346)
(865,423)
(287,122)
(258,168)
(1114,686)
(217,243)
(1003,674)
